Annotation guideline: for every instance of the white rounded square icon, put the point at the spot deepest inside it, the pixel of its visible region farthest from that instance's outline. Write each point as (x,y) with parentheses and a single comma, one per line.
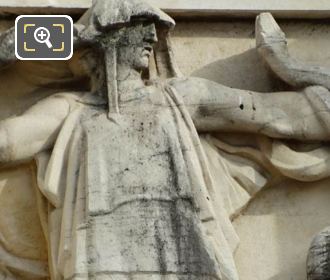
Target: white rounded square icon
(44,37)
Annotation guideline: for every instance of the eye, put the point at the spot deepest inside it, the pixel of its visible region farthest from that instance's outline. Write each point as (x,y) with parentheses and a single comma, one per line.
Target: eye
(146,23)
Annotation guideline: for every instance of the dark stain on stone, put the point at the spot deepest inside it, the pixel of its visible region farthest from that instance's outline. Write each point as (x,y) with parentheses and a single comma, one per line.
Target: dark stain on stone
(318,263)
(161,251)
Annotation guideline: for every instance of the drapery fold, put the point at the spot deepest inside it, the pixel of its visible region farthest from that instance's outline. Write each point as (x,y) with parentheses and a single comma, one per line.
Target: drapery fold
(223,182)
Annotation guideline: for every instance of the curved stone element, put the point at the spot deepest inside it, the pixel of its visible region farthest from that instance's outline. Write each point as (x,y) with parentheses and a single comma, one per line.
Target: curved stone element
(306,166)
(318,260)
(272,46)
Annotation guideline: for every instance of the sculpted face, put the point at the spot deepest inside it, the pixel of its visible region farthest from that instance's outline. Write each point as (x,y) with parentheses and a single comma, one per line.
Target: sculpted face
(135,46)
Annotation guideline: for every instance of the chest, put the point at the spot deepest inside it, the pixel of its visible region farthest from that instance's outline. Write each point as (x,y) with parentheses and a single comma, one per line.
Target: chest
(131,155)
(131,147)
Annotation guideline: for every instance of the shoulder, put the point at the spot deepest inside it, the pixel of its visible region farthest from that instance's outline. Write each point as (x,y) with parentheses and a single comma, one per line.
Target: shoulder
(191,84)
(193,89)
(70,96)
(175,82)
(55,105)
(80,98)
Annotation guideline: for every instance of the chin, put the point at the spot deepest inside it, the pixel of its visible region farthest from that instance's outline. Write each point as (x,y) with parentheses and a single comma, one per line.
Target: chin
(142,65)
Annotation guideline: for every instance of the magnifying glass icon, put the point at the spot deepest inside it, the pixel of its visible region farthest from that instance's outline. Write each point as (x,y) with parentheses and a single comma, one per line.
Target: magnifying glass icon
(42,35)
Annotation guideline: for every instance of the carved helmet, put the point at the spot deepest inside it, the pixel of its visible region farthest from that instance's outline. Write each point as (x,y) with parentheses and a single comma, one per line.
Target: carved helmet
(107,15)
(112,14)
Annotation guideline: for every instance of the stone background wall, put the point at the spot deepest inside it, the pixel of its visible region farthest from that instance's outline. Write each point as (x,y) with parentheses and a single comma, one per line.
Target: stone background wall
(278,225)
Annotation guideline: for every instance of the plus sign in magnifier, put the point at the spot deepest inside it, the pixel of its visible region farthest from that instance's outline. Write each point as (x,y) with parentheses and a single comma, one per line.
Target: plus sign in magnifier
(42,35)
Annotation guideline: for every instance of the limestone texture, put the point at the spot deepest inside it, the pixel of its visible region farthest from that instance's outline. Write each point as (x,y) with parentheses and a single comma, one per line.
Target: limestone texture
(140,170)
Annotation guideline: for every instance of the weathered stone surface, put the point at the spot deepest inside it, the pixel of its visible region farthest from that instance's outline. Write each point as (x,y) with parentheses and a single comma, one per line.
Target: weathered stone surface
(318,262)
(17,7)
(107,163)
(179,8)
(272,45)
(277,228)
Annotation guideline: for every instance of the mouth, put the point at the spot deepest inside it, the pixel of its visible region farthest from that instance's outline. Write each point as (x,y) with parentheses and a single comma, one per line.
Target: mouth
(147,50)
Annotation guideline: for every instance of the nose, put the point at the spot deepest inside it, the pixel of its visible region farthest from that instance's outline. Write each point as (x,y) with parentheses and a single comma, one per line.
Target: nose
(150,34)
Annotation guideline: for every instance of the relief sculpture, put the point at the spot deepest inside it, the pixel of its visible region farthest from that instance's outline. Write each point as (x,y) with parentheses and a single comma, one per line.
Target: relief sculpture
(132,174)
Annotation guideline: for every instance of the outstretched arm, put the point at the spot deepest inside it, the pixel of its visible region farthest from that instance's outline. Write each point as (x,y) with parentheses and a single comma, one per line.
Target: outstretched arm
(296,115)
(34,131)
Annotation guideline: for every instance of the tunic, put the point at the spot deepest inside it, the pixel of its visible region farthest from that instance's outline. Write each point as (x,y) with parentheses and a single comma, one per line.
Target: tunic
(135,195)
(142,218)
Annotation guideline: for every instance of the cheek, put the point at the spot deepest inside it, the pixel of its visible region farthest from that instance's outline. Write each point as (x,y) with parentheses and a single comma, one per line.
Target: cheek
(126,55)
(134,56)
(139,57)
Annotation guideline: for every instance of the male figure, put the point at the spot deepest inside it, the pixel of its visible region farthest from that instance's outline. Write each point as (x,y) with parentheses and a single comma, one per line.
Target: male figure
(127,173)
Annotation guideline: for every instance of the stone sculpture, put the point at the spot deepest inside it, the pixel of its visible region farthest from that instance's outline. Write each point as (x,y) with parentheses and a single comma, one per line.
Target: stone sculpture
(130,191)
(318,261)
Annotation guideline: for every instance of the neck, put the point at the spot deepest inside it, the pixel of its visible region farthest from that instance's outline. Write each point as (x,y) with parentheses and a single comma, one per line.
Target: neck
(128,79)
